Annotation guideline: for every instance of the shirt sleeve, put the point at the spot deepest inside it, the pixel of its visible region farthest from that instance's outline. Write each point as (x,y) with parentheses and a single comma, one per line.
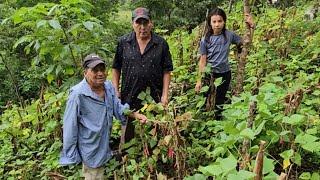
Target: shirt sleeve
(119,109)
(167,60)
(70,154)
(117,61)
(203,47)
(235,39)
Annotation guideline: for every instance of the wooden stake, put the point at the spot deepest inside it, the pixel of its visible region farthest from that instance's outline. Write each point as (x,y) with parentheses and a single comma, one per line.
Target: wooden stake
(259,162)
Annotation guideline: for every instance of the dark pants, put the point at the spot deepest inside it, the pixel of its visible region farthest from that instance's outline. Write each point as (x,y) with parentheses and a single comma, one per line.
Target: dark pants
(221,91)
(129,133)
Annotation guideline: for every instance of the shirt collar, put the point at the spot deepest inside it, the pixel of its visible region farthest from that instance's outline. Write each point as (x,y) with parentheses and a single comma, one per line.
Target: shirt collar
(87,91)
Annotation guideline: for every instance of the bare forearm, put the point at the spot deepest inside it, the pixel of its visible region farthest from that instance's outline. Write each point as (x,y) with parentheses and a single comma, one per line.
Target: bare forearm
(166,83)
(202,65)
(115,78)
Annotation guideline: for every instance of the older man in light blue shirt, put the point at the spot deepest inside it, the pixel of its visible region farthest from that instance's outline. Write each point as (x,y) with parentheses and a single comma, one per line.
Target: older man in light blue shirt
(88,118)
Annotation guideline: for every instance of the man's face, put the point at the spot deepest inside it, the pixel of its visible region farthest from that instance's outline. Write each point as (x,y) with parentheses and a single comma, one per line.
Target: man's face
(142,27)
(96,76)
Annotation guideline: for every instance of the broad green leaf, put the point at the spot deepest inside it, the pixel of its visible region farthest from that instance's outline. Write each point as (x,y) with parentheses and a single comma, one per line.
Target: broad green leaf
(228,164)
(196,177)
(242,174)
(287,154)
(247,133)
(295,119)
(305,138)
(305,175)
(312,147)
(211,170)
(55,24)
(315,176)
(88,25)
(268,165)
(296,159)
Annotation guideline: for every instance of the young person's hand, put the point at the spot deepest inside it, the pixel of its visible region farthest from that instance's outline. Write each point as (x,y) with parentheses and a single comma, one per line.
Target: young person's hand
(142,118)
(249,21)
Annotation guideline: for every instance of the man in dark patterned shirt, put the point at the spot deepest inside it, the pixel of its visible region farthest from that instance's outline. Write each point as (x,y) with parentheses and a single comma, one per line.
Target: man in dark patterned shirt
(142,60)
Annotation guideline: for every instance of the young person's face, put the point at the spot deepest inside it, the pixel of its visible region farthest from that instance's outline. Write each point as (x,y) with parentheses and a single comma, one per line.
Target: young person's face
(96,76)
(142,27)
(217,24)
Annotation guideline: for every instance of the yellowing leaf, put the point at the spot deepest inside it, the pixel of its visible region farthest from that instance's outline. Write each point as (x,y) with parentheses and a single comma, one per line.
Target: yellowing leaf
(144,108)
(286,163)
(167,139)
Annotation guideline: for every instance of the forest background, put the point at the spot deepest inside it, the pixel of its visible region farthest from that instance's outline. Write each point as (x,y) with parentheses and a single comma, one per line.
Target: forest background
(272,122)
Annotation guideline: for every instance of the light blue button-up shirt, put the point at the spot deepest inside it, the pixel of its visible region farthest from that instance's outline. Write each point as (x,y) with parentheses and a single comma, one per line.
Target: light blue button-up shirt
(87,125)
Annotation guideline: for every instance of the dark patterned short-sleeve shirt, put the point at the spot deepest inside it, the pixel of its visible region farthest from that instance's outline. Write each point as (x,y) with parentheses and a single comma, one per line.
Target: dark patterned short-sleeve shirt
(139,71)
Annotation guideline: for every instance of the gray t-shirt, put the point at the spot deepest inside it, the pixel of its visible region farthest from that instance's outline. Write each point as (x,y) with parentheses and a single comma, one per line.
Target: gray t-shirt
(217,50)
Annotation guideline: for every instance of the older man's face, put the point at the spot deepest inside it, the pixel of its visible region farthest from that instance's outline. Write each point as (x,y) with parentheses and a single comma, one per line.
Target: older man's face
(96,76)
(142,27)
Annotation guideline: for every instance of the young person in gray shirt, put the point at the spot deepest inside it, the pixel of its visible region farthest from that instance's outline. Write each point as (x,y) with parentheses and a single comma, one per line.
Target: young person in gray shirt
(214,49)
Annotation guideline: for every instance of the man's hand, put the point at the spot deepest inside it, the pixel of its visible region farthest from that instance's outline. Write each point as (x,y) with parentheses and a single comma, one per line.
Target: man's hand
(198,87)
(142,118)
(164,100)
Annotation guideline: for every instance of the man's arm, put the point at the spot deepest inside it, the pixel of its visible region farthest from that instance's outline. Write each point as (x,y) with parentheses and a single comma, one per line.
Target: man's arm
(115,80)
(165,88)
(69,153)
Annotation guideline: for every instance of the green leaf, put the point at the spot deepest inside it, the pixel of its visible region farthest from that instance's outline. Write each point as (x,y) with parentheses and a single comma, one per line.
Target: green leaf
(217,151)
(247,133)
(50,78)
(297,159)
(287,154)
(142,95)
(295,119)
(55,24)
(315,176)
(41,23)
(21,40)
(268,165)
(242,174)
(228,164)
(305,138)
(305,175)
(196,177)
(88,25)
(211,170)
(259,129)
(218,81)
(69,71)
(312,147)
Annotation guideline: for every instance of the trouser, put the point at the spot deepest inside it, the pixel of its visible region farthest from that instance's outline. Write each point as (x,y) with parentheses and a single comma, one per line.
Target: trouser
(92,173)
(129,131)
(221,91)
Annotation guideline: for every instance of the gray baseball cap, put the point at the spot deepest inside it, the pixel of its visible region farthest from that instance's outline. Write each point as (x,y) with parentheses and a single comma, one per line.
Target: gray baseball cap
(92,60)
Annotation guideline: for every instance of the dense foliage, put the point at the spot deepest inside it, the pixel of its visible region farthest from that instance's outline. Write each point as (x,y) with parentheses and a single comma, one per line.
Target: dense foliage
(42,45)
